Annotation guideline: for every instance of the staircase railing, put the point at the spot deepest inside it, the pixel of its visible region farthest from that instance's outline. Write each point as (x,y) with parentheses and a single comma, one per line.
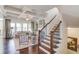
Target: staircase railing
(42,30)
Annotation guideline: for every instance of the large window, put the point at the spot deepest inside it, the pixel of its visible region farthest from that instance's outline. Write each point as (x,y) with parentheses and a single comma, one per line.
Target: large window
(21,27)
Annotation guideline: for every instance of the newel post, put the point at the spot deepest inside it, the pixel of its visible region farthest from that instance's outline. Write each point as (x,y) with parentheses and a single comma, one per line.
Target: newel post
(38,40)
(51,42)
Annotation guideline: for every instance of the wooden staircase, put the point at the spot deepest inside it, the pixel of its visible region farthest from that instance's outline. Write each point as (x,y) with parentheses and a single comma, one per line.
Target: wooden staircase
(50,43)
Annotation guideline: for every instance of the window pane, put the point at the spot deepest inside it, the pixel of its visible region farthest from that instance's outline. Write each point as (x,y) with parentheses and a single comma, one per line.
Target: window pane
(25,27)
(12,24)
(29,27)
(18,27)
(1,19)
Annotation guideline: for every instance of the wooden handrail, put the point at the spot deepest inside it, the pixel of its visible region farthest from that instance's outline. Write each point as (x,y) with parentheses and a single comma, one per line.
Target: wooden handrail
(48,23)
(38,40)
(56,27)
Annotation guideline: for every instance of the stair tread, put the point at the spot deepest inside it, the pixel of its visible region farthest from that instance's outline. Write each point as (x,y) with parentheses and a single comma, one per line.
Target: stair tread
(55,31)
(43,44)
(46,42)
(57,42)
(58,34)
(45,47)
(41,52)
(55,46)
(44,50)
(55,27)
(57,37)
(47,39)
(48,35)
(53,52)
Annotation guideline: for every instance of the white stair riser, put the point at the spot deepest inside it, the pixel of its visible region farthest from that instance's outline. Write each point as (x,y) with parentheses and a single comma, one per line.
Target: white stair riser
(44,50)
(45,45)
(47,41)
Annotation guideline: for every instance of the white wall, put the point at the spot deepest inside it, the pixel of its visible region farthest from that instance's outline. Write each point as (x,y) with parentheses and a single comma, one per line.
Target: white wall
(1,34)
(73,32)
(1,30)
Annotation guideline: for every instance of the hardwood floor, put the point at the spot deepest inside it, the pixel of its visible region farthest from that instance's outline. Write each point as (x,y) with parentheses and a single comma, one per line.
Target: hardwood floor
(9,48)
(30,50)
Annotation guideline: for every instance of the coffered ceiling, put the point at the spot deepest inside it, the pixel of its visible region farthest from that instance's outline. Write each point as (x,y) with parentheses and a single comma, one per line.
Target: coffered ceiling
(26,11)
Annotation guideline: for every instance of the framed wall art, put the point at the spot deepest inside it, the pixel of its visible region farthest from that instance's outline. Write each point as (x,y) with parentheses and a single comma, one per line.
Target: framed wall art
(72,43)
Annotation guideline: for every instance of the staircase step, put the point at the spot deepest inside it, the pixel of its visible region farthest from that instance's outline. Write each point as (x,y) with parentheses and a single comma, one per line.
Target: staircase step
(57,42)
(55,27)
(44,50)
(58,34)
(47,39)
(57,30)
(45,47)
(57,38)
(55,46)
(48,46)
(46,42)
(48,35)
(53,52)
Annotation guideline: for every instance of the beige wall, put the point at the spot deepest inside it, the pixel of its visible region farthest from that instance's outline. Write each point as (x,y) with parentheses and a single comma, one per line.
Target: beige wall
(73,32)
